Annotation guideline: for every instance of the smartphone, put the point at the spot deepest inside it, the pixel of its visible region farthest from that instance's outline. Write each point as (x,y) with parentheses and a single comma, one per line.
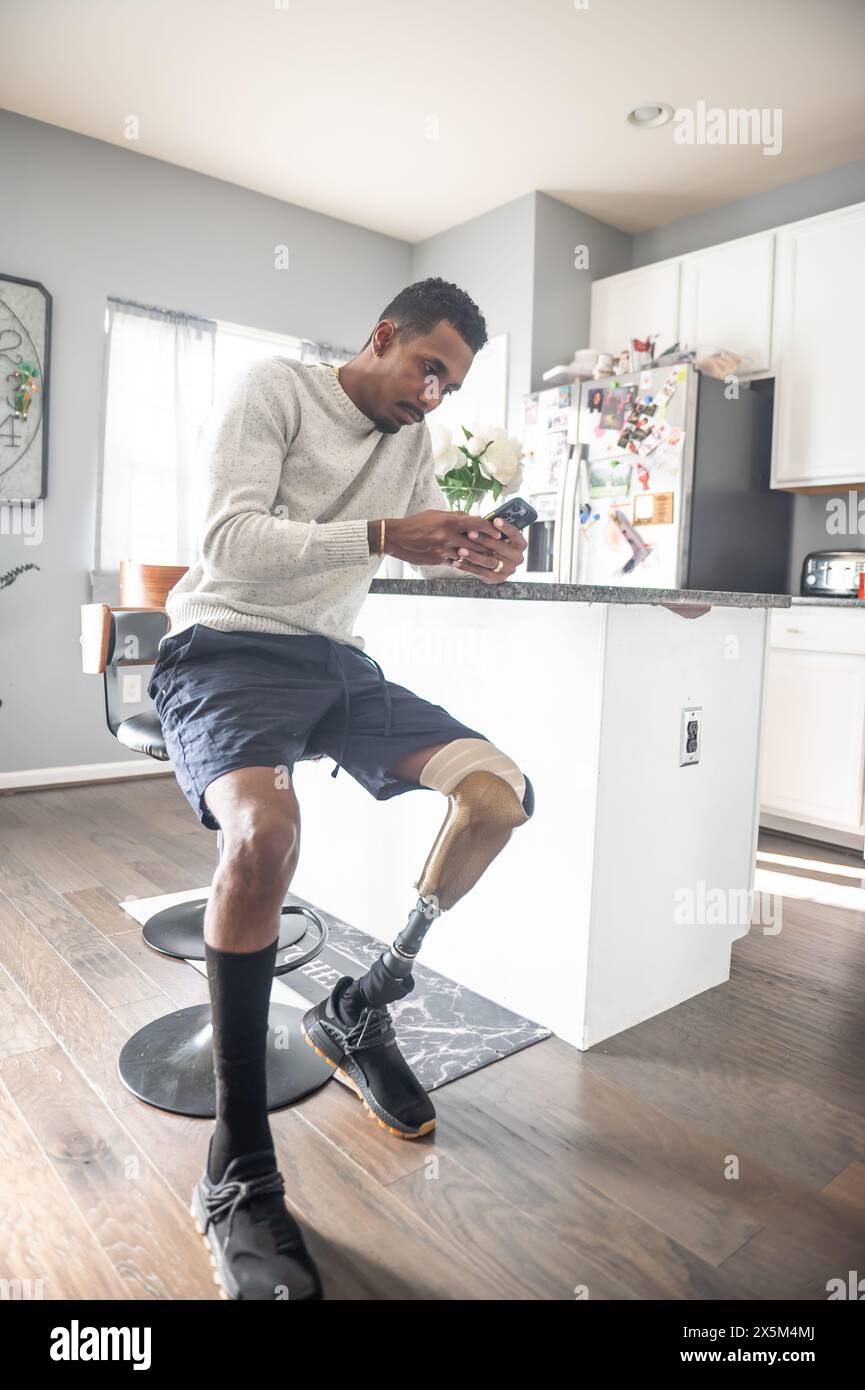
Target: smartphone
(516,510)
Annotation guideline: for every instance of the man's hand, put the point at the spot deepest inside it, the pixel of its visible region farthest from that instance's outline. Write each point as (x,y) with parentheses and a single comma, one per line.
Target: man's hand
(469,543)
(507,543)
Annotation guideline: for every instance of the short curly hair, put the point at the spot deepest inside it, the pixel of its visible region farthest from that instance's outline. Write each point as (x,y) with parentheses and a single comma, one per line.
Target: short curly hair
(419,307)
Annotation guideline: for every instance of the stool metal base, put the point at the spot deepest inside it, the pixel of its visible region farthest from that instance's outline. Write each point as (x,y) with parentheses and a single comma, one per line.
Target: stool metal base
(178,930)
(169,1062)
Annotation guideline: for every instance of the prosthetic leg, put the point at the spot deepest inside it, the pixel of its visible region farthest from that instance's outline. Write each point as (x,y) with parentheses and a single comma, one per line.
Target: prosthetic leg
(488,797)
(352,1029)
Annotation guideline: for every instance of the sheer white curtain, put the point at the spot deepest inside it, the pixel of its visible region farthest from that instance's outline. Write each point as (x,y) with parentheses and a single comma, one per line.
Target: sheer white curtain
(167,379)
(157,391)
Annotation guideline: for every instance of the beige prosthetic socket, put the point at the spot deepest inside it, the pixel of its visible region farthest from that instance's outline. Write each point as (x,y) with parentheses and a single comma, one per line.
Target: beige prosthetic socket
(485,791)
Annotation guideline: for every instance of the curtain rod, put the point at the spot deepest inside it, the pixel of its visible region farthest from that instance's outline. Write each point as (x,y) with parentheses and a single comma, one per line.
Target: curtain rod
(157,310)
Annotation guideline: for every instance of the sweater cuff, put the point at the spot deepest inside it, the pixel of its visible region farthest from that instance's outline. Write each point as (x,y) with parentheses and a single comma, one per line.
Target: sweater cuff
(346,542)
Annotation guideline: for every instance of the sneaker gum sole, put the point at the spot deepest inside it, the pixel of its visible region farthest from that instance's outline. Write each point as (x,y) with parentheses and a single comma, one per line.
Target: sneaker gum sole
(223,1292)
(349,1081)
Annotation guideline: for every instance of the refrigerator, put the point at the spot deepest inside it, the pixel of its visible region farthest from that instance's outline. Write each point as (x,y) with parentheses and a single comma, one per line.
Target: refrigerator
(549,438)
(656,479)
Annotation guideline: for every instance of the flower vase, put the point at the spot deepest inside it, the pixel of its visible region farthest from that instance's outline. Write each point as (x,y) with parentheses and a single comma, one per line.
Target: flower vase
(470,501)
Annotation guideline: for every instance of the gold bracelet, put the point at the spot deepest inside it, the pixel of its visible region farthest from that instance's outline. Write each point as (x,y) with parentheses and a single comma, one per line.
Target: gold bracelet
(381,542)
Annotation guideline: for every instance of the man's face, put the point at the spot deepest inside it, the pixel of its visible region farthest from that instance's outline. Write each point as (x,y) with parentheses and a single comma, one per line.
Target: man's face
(413,378)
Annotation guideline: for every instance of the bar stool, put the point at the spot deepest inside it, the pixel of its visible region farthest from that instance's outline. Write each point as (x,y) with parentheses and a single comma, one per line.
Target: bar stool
(169,1062)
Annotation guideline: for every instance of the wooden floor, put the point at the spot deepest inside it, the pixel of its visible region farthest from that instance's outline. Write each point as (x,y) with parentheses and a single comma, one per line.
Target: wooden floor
(551,1171)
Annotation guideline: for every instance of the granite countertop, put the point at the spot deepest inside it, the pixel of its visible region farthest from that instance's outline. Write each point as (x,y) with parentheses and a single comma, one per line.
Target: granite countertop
(829,601)
(466,587)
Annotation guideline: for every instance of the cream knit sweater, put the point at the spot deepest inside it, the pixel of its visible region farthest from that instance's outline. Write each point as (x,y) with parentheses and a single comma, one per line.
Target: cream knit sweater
(293,471)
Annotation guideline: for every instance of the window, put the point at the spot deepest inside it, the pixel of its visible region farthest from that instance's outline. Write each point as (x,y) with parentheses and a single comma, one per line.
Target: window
(165,372)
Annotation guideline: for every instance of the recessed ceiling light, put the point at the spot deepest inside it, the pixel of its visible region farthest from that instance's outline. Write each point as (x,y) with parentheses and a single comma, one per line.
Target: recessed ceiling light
(650,114)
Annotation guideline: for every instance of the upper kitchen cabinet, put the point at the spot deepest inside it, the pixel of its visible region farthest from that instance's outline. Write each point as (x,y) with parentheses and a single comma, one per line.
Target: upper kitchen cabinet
(634,305)
(726,299)
(819,312)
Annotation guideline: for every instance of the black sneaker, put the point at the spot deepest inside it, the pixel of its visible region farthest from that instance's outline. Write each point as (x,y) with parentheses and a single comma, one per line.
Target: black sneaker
(366,1056)
(256,1246)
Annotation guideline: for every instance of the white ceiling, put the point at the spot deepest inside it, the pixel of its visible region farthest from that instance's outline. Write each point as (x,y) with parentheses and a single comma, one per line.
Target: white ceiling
(331,104)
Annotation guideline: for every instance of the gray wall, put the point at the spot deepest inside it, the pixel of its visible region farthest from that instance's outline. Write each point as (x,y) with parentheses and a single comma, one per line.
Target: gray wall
(836,188)
(561,299)
(91,220)
(491,257)
(517,263)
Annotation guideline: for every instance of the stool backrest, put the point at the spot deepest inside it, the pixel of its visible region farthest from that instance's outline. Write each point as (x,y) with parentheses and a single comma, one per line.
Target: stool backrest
(120,644)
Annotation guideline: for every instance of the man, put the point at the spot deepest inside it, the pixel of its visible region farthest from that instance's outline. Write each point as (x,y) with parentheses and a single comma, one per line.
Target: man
(313,474)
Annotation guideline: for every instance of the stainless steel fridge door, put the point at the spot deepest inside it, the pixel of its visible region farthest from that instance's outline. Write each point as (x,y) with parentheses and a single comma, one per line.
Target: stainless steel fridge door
(645,480)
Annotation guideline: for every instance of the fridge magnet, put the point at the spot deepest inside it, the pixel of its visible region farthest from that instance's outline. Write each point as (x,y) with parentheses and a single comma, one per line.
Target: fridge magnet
(557,422)
(668,436)
(616,405)
(640,550)
(595,399)
(610,479)
(668,390)
(613,533)
(648,445)
(556,455)
(653,509)
(25,346)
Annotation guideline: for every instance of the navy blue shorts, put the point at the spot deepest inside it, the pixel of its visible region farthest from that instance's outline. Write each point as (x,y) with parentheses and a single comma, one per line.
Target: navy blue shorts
(228,700)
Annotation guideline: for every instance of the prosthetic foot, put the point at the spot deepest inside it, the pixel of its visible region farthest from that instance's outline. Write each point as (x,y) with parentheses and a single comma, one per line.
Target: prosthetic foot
(366,1056)
(487,797)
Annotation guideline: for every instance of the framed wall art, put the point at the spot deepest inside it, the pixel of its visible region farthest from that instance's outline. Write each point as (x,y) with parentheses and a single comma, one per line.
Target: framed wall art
(25,348)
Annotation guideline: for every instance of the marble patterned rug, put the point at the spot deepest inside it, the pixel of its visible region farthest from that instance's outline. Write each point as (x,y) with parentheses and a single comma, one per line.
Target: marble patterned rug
(444,1029)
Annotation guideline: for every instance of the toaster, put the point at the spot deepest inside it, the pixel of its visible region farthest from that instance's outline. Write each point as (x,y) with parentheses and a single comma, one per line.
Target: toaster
(833,572)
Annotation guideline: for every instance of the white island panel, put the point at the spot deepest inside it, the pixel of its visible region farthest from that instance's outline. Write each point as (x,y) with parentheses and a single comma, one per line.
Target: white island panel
(529,676)
(576,923)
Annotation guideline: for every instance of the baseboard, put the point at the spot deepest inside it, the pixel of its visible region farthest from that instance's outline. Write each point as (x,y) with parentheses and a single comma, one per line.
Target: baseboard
(805,830)
(82,773)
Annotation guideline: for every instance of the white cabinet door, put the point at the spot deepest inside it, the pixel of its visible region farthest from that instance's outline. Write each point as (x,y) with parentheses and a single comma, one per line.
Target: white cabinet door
(636,305)
(817,344)
(727,299)
(814,738)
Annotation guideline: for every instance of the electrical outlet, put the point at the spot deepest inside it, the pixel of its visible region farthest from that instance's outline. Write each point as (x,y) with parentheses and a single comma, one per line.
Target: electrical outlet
(689,741)
(131,689)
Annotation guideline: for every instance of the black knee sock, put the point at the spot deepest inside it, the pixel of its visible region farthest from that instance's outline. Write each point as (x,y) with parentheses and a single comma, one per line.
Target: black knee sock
(239,996)
(377,987)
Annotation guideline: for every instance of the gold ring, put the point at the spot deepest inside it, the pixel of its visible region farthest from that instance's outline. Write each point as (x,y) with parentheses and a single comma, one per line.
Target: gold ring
(498,566)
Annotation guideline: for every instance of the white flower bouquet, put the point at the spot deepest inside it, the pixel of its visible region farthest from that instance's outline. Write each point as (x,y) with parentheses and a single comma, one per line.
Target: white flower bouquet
(490,460)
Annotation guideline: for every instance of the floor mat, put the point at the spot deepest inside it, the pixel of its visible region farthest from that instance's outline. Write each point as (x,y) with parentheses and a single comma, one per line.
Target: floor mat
(444,1029)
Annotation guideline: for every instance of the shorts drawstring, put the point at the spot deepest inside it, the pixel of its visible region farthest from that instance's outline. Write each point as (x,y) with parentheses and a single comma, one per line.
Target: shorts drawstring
(334,646)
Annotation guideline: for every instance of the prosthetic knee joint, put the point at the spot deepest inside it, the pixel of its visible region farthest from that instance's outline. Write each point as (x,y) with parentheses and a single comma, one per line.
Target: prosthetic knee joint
(488,796)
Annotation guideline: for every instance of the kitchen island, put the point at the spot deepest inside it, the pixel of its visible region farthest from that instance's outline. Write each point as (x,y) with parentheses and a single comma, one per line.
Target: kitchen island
(622,895)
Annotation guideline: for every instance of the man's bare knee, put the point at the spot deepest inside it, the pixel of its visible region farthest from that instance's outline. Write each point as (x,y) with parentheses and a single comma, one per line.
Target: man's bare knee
(262,853)
(260,823)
